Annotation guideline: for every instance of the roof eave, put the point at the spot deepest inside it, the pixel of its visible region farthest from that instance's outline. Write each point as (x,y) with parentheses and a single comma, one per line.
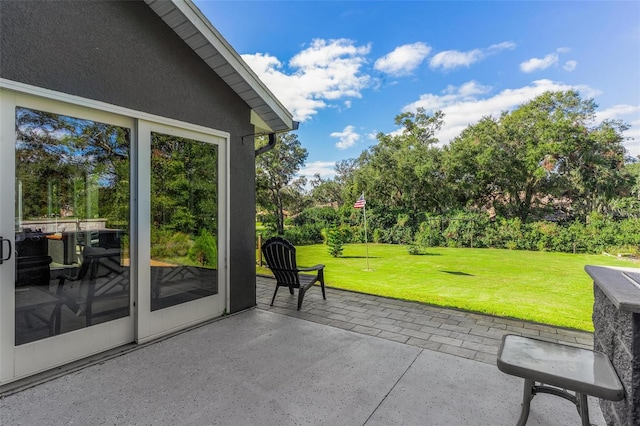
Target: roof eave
(188,22)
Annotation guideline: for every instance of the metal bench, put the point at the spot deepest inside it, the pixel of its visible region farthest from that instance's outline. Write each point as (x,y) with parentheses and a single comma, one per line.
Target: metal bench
(558,369)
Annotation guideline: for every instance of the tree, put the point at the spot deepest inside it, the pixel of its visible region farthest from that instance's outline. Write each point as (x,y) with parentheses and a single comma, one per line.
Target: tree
(628,205)
(276,181)
(71,167)
(325,191)
(547,149)
(404,170)
(184,185)
(474,165)
(593,167)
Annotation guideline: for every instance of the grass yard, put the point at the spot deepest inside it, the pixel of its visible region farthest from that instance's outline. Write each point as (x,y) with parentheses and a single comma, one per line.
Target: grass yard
(550,288)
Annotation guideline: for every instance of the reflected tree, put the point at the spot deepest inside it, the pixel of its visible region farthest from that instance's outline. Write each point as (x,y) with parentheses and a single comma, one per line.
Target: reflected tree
(70,167)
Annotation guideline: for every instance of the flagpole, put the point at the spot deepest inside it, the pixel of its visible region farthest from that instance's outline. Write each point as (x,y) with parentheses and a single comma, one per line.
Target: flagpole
(366,242)
(361,203)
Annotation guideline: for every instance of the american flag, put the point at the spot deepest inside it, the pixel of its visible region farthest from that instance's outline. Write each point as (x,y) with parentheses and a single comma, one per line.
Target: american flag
(360,203)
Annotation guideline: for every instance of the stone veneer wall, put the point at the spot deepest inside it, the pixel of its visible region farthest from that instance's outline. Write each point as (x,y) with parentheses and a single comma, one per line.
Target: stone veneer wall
(617,334)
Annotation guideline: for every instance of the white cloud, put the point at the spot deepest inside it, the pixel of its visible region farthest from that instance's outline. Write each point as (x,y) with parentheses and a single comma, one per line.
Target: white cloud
(618,111)
(326,169)
(570,65)
(462,106)
(633,144)
(505,45)
(451,59)
(468,89)
(348,137)
(372,135)
(537,64)
(403,60)
(327,70)
(631,115)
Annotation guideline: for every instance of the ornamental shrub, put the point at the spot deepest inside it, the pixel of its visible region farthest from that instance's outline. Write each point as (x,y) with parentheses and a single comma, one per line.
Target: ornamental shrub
(324,216)
(305,234)
(335,242)
(204,250)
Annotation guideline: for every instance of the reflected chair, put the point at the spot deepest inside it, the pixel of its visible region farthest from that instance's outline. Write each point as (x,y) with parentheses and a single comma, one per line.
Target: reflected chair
(280,255)
(107,282)
(33,298)
(33,271)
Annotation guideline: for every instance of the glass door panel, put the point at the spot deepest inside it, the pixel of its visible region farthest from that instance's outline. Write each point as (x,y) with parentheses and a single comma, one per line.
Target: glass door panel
(71,224)
(184,220)
(183,241)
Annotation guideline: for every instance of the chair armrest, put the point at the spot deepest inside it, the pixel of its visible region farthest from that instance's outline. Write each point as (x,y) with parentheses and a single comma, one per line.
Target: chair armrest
(317,267)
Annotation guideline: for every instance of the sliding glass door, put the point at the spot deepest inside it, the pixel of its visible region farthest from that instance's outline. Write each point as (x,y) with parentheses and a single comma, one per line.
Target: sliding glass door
(113,229)
(68,172)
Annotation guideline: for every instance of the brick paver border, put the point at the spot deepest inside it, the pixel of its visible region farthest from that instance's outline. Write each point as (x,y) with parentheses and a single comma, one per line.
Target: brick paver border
(461,333)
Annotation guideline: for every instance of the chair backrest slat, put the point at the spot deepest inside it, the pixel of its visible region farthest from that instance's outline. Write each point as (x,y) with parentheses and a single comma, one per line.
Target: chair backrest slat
(280,255)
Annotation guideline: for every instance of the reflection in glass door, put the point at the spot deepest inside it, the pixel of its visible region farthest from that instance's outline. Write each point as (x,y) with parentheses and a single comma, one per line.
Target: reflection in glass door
(184,220)
(71,224)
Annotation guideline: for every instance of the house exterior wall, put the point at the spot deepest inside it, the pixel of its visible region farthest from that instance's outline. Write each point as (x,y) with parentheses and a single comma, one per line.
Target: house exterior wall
(122,53)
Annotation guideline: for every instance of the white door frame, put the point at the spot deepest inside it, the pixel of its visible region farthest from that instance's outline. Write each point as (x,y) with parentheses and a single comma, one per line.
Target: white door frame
(164,321)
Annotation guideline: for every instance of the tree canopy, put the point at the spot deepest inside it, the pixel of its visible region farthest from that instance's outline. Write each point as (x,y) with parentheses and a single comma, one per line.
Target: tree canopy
(276,182)
(549,159)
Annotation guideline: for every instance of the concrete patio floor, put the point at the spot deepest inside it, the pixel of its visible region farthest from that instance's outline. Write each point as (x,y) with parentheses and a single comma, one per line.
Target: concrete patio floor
(261,367)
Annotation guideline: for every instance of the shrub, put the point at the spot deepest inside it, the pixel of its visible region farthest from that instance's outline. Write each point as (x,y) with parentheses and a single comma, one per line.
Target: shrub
(167,243)
(429,234)
(204,250)
(324,216)
(335,242)
(414,249)
(462,229)
(305,234)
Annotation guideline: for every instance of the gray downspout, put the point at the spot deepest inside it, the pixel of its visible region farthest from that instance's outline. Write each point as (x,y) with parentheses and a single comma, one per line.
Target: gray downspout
(269,146)
(273,138)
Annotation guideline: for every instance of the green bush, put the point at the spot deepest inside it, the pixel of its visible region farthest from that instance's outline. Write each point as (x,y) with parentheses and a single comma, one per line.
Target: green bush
(323,216)
(461,229)
(335,242)
(305,234)
(204,250)
(465,229)
(468,229)
(429,234)
(166,244)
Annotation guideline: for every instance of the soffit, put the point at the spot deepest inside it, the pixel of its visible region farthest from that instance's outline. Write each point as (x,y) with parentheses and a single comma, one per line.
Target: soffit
(188,22)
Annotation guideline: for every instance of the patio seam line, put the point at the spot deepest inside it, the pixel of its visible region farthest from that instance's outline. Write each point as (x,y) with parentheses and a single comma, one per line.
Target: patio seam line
(393,387)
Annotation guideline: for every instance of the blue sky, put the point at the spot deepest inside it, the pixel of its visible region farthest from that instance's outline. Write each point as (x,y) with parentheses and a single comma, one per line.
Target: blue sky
(346,69)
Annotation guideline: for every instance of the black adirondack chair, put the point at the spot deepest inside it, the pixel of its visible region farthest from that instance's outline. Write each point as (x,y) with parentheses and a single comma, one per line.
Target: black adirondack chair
(280,255)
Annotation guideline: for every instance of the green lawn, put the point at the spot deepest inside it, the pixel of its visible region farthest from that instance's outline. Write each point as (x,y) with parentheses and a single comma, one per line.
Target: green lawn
(550,288)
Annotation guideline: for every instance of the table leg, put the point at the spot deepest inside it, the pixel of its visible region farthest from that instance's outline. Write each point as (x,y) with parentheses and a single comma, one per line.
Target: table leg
(527,395)
(583,408)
